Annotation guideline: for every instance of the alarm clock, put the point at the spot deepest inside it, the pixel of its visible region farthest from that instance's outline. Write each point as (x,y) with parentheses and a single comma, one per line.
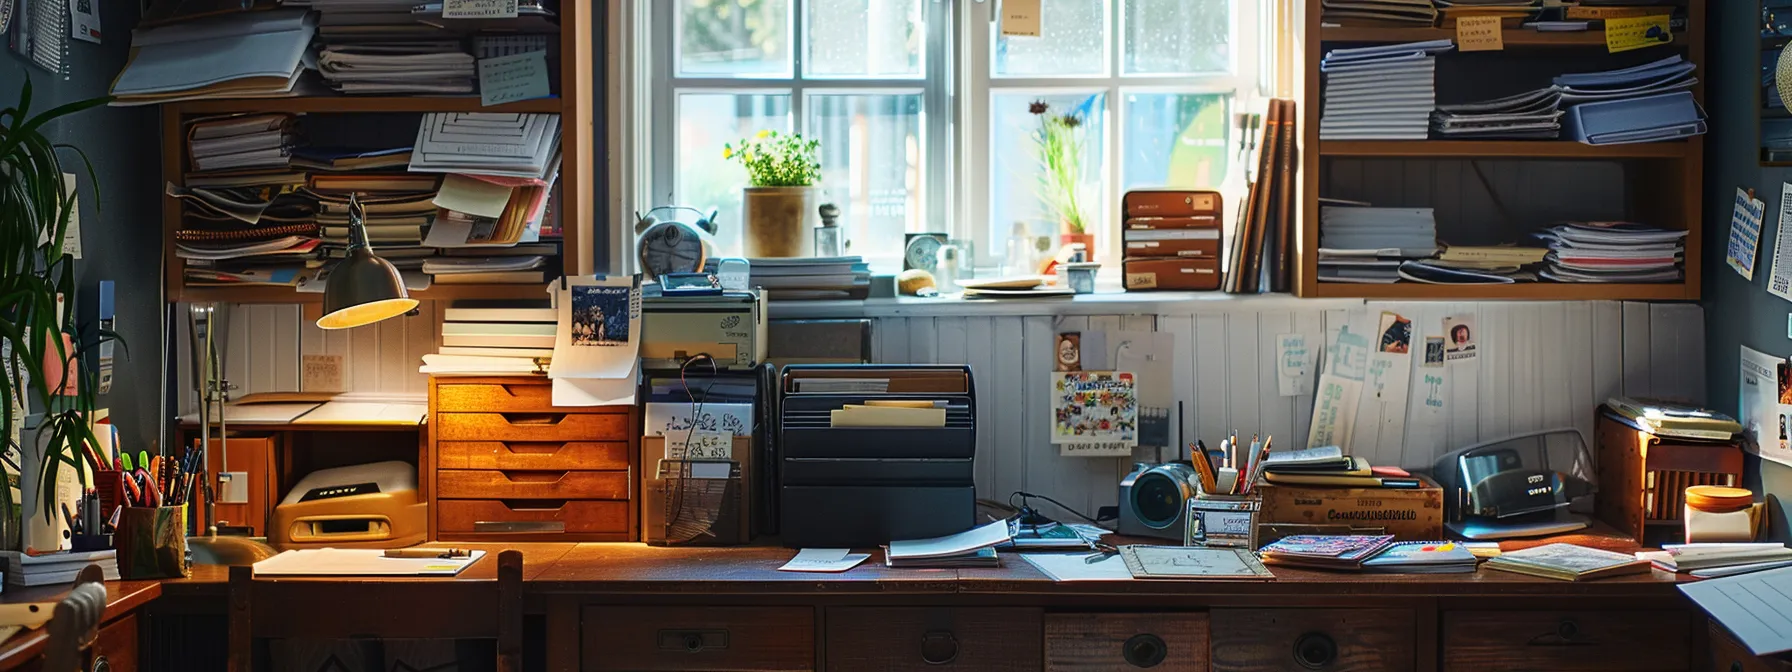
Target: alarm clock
(922,251)
(671,246)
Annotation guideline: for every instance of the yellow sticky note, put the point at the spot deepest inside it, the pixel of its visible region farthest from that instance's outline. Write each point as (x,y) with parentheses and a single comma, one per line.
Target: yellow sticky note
(1480,33)
(1020,18)
(1636,32)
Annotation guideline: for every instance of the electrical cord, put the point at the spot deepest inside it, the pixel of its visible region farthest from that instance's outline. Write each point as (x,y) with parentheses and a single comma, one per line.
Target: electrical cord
(684,470)
(1027,510)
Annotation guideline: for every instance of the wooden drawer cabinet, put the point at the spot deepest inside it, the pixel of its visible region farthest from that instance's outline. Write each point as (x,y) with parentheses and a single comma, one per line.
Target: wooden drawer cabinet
(549,426)
(1729,655)
(1334,640)
(597,517)
(1567,640)
(1167,642)
(487,397)
(696,639)
(547,456)
(489,484)
(912,638)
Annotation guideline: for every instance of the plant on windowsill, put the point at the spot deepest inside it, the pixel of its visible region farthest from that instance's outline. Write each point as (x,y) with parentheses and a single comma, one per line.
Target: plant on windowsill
(779,200)
(1058,147)
(40,360)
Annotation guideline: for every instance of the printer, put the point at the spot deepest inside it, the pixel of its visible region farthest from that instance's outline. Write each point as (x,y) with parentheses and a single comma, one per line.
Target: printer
(362,506)
(1518,486)
(730,326)
(857,485)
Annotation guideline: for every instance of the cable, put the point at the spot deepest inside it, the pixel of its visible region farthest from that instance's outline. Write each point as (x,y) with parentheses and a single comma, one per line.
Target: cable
(684,470)
(1024,507)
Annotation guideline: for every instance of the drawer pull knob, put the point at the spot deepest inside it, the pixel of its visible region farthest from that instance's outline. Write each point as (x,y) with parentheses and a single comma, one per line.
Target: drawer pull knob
(1568,630)
(939,647)
(100,664)
(693,641)
(1144,650)
(1315,650)
(1736,666)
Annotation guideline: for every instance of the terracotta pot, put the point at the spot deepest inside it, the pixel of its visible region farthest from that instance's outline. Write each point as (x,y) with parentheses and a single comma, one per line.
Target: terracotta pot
(777,221)
(1087,239)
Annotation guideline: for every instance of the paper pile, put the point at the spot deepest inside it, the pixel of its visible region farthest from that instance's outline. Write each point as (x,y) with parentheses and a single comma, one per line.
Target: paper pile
(235,55)
(1404,13)
(817,278)
(387,68)
(1383,92)
(1529,115)
(488,143)
(1613,252)
(1511,13)
(1367,245)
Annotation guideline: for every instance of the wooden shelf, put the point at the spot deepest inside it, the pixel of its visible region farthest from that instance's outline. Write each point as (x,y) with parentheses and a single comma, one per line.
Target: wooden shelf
(1522,149)
(270,294)
(413,104)
(1512,36)
(1524,291)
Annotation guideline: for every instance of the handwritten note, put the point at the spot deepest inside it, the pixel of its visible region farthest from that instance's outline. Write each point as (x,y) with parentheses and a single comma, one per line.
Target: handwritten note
(1102,449)
(1625,34)
(1745,233)
(1432,386)
(1294,364)
(1479,33)
(699,445)
(478,9)
(1141,280)
(1334,411)
(1020,18)
(1352,355)
(71,236)
(504,79)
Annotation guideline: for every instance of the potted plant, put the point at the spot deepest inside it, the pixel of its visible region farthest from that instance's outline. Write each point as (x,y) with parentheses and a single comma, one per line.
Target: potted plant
(1058,146)
(39,337)
(781,174)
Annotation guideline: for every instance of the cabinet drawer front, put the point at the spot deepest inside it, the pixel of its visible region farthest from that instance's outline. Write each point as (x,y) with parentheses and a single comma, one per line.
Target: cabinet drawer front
(525,396)
(542,455)
(554,426)
(934,638)
(1729,655)
(117,645)
(746,639)
(484,484)
(1334,640)
(1088,642)
(532,516)
(1567,640)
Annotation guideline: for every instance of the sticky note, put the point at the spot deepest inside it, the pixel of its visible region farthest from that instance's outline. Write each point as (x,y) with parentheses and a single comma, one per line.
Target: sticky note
(1637,32)
(1020,18)
(1479,33)
(478,9)
(504,79)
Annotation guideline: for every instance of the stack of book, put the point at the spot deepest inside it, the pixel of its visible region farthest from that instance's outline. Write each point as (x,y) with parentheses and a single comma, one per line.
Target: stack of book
(1260,254)
(1709,561)
(1512,13)
(1401,13)
(387,47)
(1568,562)
(1329,466)
(1321,551)
(1532,115)
(499,328)
(1423,557)
(1367,245)
(1384,92)
(1613,252)
(389,68)
(1645,103)
(247,143)
(54,568)
(1681,421)
(229,55)
(811,279)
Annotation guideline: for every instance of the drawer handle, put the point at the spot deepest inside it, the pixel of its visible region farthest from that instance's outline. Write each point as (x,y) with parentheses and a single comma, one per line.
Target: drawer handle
(939,647)
(1567,633)
(534,476)
(534,418)
(1736,666)
(1144,650)
(100,664)
(1315,650)
(1568,630)
(525,448)
(519,526)
(534,505)
(693,641)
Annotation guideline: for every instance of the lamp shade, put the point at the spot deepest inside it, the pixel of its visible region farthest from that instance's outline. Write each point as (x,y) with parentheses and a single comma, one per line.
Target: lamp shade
(363,288)
(1782,75)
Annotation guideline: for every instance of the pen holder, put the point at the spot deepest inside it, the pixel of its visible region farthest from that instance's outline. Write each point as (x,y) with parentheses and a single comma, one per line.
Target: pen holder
(1223,521)
(152,542)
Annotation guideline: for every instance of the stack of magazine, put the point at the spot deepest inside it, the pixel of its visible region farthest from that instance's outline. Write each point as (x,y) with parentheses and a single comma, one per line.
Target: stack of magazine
(1613,252)
(1529,115)
(1384,92)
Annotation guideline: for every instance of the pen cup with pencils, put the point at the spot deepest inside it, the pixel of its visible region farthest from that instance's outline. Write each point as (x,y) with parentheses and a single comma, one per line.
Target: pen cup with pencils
(152,542)
(1222,521)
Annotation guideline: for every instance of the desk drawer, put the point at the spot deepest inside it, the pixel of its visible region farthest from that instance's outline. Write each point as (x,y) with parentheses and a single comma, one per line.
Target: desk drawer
(932,638)
(492,484)
(1729,655)
(524,396)
(547,426)
(1161,642)
(116,644)
(737,639)
(1567,640)
(535,455)
(532,516)
(1334,640)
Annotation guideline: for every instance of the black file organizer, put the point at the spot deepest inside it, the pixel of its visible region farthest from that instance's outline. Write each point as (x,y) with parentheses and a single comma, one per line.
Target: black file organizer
(867,486)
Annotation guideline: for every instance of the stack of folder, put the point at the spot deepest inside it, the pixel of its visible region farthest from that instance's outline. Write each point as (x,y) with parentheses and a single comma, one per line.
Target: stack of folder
(1709,561)
(489,143)
(1645,103)
(1368,245)
(388,68)
(1666,418)
(1613,252)
(812,279)
(1384,92)
(1512,13)
(396,47)
(235,55)
(1529,115)
(1402,13)
(1329,466)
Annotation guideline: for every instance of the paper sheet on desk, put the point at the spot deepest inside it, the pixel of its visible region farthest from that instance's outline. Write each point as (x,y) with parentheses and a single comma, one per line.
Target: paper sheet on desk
(365,413)
(1756,607)
(1075,567)
(824,560)
(360,562)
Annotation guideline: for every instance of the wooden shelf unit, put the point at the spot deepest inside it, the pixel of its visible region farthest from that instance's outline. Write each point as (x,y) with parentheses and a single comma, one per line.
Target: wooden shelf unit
(577,168)
(1665,177)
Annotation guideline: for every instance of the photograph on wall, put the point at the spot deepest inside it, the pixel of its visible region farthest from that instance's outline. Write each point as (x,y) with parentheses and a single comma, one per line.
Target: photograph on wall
(600,316)
(1396,333)
(1095,406)
(1459,337)
(1434,351)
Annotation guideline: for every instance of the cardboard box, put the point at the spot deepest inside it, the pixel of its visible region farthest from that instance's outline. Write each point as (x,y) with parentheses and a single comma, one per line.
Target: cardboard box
(1409,515)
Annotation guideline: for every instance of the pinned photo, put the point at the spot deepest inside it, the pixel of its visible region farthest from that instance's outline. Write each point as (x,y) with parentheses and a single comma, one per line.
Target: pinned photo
(1434,351)
(600,315)
(1396,334)
(1459,337)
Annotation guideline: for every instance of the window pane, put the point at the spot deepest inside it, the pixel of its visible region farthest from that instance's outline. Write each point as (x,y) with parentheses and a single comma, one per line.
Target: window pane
(706,121)
(1175,140)
(734,37)
(1017,176)
(871,158)
(1073,39)
(864,38)
(1167,37)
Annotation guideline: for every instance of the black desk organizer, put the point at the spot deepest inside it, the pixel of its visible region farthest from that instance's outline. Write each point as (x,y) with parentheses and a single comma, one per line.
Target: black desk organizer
(866,486)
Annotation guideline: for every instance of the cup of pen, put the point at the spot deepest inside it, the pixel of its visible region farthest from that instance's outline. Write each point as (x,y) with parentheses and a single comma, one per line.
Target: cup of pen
(152,542)
(1222,521)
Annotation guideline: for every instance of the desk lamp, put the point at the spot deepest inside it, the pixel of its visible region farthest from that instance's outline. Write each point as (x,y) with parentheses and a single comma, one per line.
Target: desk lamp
(362,288)
(210,323)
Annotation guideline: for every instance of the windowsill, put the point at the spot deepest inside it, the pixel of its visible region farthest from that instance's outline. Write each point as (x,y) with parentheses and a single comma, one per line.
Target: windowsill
(1099,303)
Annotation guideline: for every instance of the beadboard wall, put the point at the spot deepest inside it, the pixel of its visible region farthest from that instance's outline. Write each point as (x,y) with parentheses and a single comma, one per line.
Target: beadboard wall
(1540,365)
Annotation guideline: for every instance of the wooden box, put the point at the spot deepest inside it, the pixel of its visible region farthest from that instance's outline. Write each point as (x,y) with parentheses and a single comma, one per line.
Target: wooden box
(1409,515)
(1643,477)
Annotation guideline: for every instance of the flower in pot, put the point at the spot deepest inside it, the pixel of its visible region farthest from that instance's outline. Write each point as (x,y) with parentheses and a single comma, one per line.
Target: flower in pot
(780,194)
(1058,146)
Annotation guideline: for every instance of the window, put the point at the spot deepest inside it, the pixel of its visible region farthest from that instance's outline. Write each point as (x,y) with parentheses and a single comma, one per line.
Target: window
(921,107)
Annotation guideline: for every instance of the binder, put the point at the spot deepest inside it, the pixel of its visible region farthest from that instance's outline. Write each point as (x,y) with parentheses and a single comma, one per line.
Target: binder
(1666,116)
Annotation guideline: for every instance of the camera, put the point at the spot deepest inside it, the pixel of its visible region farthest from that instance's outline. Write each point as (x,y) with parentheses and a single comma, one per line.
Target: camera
(1154,499)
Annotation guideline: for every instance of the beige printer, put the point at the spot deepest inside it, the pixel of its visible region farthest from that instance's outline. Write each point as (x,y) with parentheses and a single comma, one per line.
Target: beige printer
(362,506)
(730,327)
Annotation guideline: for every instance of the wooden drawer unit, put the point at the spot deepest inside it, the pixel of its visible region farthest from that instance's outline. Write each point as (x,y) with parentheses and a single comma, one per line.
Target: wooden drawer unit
(521,516)
(1567,640)
(115,647)
(532,455)
(908,638)
(736,639)
(1166,642)
(493,484)
(545,426)
(1334,640)
(1729,655)
(529,396)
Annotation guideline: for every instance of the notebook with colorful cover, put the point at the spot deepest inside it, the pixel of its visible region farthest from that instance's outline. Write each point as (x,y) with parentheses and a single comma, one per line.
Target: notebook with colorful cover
(1423,557)
(1568,562)
(1325,551)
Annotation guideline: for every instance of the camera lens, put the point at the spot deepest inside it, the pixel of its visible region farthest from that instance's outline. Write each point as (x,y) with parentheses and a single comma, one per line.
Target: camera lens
(1156,500)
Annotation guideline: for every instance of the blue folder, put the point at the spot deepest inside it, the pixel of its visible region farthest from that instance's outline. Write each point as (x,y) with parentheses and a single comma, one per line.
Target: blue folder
(1666,116)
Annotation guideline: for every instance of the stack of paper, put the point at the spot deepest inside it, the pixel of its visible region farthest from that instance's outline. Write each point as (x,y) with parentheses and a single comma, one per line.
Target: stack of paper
(972,548)
(240,143)
(1667,418)
(1512,13)
(486,211)
(1325,551)
(1568,562)
(387,68)
(235,55)
(1613,252)
(1369,244)
(1384,92)
(54,568)
(814,278)
(508,329)
(1645,103)
(1532,114)
(1714,560)
(1379,12)
(488,143)
(487,270)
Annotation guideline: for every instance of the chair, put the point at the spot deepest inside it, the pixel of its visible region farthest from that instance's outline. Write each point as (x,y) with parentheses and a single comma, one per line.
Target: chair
(75,622)
(351,608)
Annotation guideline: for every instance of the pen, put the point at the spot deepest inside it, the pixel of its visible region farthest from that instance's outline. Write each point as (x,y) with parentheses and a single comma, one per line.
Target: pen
(67,517)
(427,553)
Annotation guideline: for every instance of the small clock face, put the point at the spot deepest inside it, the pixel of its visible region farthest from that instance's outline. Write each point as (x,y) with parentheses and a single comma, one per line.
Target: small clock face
(669,247)
(923,253)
